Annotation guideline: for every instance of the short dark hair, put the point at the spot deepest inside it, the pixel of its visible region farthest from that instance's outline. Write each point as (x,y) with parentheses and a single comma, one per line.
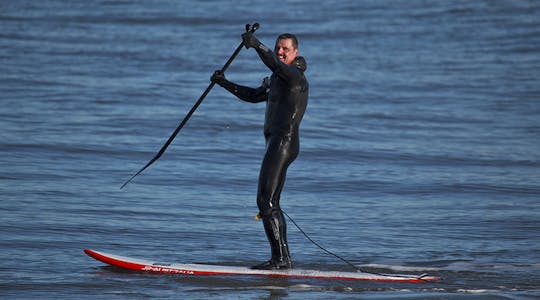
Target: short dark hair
(284,36)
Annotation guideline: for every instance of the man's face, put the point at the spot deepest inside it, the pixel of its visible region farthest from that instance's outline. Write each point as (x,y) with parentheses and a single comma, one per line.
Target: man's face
(285,51)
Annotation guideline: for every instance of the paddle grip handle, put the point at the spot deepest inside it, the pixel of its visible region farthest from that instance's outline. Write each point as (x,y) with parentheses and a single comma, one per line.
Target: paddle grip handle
(252,28)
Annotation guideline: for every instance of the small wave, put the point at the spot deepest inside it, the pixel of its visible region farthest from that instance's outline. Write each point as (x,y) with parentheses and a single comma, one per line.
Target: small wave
(398,268)
(476,291)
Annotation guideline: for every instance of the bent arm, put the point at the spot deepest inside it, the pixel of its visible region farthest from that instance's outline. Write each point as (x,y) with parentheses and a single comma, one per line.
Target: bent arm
(252,95)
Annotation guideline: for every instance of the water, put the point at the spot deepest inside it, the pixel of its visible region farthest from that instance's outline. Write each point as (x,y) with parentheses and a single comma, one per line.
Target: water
(420,147)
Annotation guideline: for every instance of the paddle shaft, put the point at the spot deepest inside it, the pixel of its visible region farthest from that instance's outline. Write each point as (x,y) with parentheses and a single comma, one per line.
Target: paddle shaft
(251,28)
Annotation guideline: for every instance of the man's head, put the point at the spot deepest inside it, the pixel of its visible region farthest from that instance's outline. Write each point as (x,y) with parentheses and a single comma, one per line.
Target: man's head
(286,48)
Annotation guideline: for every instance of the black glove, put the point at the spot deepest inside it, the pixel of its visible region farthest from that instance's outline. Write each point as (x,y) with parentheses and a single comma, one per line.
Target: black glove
(250,40)
(218,77)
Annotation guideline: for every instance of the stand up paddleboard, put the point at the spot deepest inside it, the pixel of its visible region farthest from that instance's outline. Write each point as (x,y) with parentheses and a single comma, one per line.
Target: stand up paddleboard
(203,270)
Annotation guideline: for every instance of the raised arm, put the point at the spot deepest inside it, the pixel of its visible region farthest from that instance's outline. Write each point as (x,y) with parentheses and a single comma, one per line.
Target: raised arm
(270,59)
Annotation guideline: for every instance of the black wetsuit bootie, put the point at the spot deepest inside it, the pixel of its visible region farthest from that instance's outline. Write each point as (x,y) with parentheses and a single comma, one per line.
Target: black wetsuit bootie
(273,265)
(276,232)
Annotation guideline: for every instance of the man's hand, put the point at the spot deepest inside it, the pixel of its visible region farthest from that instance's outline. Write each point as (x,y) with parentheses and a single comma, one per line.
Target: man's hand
(250,40)
(218,77)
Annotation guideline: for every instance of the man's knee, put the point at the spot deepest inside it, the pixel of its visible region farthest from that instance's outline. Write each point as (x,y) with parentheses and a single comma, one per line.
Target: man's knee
(267,202)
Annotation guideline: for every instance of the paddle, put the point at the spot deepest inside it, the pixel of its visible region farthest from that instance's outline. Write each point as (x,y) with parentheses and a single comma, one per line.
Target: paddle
(249,27)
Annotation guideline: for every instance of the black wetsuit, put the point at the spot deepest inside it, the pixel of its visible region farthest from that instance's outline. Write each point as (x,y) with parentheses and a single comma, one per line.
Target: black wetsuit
(286,95)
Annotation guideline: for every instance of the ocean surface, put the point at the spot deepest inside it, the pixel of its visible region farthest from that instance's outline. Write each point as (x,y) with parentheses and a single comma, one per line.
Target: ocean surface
(420,149)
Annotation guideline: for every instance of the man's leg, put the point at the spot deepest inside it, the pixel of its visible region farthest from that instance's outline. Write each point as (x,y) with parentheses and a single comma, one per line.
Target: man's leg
(271,181)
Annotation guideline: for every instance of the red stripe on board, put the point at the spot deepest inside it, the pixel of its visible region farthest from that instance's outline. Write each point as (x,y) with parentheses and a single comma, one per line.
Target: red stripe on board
(146,268)
(114,262)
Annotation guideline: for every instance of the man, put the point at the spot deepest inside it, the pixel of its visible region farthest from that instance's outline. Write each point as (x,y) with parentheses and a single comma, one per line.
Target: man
(286,95)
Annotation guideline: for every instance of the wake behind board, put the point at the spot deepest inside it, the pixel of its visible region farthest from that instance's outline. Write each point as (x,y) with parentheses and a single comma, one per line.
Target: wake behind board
(203,270)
